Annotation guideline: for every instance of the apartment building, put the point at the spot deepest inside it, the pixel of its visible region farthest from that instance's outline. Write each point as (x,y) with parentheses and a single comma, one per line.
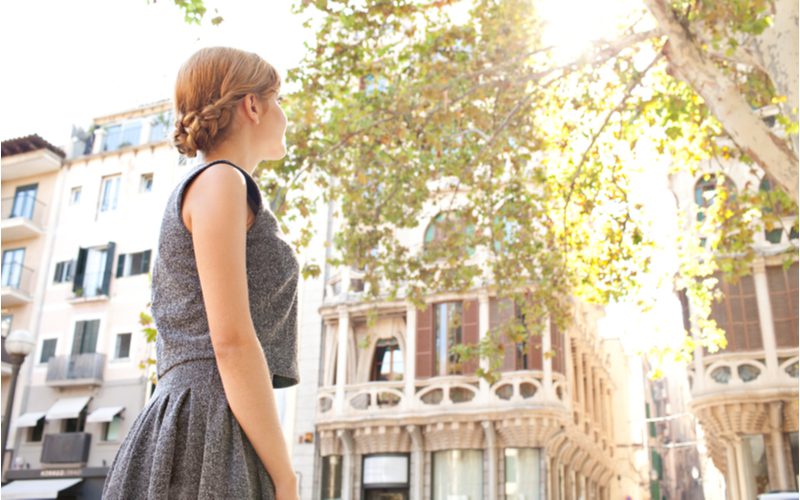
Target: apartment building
(31,169)
(398,417)
(745,396)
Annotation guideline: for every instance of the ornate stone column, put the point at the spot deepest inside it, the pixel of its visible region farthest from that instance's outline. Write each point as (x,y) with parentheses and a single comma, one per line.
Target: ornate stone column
(776,437)
(491,445)
(765,317)
(341,364)
(410,370)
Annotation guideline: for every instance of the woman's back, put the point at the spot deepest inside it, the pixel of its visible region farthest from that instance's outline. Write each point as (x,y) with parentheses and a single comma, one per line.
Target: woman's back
(186,442)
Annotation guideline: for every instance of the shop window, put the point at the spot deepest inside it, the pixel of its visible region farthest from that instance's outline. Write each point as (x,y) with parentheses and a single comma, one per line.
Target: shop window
(331,477)
(523,473)
(457,474)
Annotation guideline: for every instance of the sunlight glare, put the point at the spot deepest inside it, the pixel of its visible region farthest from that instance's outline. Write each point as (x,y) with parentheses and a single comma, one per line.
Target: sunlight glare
(572,26)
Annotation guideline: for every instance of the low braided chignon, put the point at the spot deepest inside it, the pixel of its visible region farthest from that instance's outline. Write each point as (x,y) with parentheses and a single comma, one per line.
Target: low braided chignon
(209,85)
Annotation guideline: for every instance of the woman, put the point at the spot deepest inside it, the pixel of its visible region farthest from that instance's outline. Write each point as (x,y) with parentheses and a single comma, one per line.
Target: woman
(224,301)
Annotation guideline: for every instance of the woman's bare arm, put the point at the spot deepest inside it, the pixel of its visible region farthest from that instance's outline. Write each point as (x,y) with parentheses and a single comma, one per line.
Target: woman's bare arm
(216,212)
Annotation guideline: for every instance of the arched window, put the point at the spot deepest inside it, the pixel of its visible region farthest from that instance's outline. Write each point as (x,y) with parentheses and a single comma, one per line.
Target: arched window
(509,229)
(387,364)
(707,188)
(443,226)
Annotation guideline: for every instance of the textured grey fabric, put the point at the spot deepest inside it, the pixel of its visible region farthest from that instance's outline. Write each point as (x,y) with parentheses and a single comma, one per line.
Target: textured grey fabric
(186,443)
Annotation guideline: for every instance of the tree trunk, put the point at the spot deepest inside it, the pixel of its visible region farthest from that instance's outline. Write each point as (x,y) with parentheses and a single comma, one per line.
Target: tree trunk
(748,131)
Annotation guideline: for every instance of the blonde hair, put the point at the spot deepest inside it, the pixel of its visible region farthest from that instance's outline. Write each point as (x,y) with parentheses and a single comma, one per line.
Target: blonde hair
(208,86)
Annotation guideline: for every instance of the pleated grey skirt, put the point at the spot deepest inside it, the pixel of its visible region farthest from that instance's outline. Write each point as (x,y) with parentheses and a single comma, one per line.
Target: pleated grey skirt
(186,443)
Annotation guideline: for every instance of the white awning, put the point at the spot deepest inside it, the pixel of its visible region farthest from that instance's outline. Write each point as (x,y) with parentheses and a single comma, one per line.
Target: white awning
(36,488)
(29,419)
(105,414)
(67,408)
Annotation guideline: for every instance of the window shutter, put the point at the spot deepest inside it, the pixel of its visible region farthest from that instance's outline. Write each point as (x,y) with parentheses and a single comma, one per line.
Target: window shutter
(146,261)
(424,357)
(120,265)
(80,269)
(77,339)
(557,345)
(500,312)
(59,271)
(469,330)
(109,262)
(535,353)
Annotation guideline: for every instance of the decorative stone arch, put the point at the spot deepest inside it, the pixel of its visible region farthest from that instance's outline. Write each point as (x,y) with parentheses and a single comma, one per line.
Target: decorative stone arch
(331,355)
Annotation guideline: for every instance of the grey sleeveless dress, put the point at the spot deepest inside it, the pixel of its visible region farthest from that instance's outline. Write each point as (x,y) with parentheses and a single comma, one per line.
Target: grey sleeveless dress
(186,442)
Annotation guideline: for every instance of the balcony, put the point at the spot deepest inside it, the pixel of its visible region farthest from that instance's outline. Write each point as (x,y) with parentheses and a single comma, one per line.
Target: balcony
(76,370)
(443,395)
(22,217)
(743,372)
(66,448)
(39,161)
(17,284)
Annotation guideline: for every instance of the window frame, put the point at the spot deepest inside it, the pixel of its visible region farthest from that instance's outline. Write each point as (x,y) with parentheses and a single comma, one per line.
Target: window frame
(42,350)
(117,345)
(103,205)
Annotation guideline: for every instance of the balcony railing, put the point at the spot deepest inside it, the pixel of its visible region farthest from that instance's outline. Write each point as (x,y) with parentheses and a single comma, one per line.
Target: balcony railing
(522,389)
(76,369)
(66,448)
(22,217)
(23,207)
(17,284)
(743,371)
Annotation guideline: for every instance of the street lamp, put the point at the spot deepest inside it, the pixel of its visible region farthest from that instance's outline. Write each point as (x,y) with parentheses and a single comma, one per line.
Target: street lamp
(19,344)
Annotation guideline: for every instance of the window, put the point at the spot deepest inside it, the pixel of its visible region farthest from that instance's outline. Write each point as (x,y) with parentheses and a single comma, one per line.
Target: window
(109,193)
(123,135)
(64,271)
(523,473)
(24,201)
(737,314)
(707,189)
(111,429)
(85,339)
(388,362)
(457,474)
(75,195)
(93,271)
(48,350)
(146,183)
(447,333)
(331,477)
(755,462)
(130,264)
(36,432)
(448,227)
(159,126)
(12,267)
(783,293)
(123,346)
(6,324)
(76,424)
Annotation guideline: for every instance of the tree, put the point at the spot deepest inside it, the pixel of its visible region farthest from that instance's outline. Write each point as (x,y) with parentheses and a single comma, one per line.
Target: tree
(398,105)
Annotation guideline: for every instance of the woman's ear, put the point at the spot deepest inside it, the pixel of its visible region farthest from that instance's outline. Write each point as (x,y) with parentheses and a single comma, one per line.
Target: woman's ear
(251,108)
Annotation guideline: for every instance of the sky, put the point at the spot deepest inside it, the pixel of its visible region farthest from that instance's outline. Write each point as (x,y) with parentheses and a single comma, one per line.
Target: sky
(67,62)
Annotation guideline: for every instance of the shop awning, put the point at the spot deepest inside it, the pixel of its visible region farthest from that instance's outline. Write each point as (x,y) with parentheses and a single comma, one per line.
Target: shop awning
(105,414)
(67,408)
(36,488)
(29,419)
